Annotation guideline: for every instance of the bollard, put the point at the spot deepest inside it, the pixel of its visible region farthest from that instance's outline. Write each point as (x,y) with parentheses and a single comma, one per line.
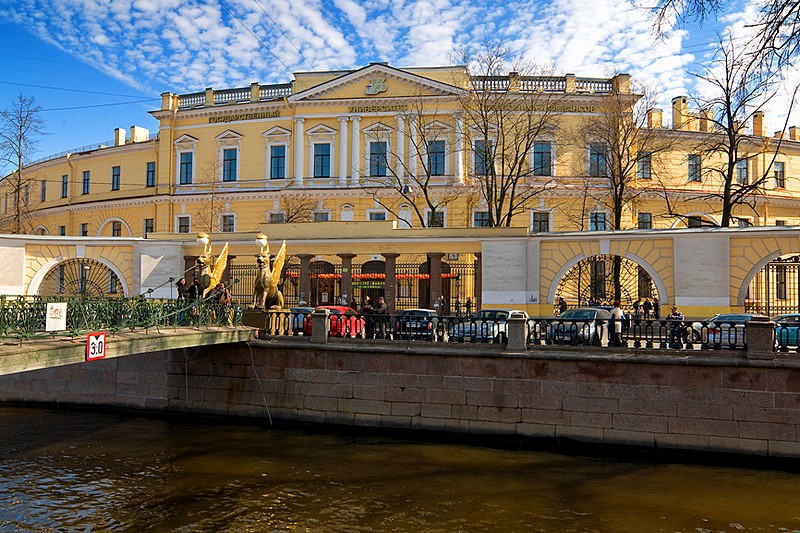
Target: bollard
(760,332)
(319,325)
(516,331)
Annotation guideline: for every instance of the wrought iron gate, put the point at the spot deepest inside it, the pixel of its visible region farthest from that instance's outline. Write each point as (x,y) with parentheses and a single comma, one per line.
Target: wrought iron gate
(775,290)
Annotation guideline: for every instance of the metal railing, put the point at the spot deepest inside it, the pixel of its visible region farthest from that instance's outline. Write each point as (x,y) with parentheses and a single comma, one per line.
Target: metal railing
(24,318)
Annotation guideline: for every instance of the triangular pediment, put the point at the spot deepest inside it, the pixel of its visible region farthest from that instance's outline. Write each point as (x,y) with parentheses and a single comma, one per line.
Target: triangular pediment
(377,80)
(228,135)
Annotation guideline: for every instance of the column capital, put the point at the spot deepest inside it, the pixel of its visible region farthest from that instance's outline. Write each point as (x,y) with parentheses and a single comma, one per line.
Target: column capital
(391,255)
(346,256)
(305,257)
(343,118)
(299,120)
(436,254)
(355,118)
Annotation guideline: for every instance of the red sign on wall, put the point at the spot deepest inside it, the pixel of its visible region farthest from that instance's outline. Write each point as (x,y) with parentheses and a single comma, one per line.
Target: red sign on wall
(95,346)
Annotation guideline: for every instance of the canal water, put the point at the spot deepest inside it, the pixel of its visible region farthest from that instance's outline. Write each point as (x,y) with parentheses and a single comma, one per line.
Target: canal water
(79,471)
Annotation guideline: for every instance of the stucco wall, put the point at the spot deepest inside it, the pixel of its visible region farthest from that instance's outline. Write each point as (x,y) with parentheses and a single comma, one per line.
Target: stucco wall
(699,403)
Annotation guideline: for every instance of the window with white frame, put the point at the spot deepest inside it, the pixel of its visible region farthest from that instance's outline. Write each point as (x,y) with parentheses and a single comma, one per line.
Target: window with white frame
(741,172)
(322,160)
(598,221)
(62,231)
(227,223)
(435,219)
(83,229)
(376,214)
(150,174)
(540,221)
(644,220)
(436,158)
(276,217)
(86,182)
(277,162)
(322,216)
(115,178)
(482,150)
(183,224)
(780,176)
(597,159)
(377,158)
(186,168)
(480,219)
(347,214)
(116,228)
(542,158)
(64,186)
(149,225)
(230,159)
(643,161)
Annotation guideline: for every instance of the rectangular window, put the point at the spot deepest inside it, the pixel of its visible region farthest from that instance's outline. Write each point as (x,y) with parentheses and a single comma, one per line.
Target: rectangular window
(483,156)
(644,220)
(780,176)
(540,221)
(227,223)
(695,167)
(377,158)
(377,215)
(115,178)
(277,218)
(435,220)
(741,172)
(597,159)
(436,158)
(694,221)
(186,168)
(643,166)
(86,182)
(780,282)
(597,221)
(321,216)
(322,160)
(277,162)
(183,225)
(150,177)
(116,229)
(149,225)
(64,186)
(229,159)
(84,230)
(780,222)
(43,191)
(62,230)
(542,159)
(480,219)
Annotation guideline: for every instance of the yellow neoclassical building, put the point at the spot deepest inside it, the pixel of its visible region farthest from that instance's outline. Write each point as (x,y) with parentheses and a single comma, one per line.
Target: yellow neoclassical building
(418,146)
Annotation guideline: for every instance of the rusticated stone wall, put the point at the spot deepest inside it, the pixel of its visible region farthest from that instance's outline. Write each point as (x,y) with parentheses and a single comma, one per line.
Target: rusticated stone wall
(705,402)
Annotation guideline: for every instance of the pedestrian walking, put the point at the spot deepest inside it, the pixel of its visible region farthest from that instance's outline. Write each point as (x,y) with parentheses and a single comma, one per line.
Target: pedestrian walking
(675,320)
(382,318)
(183,291)
(647,307)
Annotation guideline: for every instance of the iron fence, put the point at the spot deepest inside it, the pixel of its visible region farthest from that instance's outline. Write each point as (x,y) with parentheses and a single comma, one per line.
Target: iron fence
(23,318)
(775,289)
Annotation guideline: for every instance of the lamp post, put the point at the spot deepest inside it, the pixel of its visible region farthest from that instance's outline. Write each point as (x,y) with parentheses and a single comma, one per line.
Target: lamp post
(262,242)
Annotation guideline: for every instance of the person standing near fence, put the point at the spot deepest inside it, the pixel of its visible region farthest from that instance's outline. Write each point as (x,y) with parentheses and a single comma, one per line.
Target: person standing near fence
(617,316)
(382,317)
(675,319)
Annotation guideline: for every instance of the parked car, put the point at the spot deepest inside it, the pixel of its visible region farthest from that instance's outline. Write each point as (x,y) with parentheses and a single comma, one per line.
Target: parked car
(725,329)
(787,329)
(418,324)
(344,322)
(580,325)
(299,315)
(486,325)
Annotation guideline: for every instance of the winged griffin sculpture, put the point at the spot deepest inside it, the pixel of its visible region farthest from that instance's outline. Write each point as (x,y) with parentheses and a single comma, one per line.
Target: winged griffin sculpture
(265,293)
(211,270)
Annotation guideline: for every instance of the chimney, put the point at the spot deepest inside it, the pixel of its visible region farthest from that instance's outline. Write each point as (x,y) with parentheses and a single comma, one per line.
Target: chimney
(794,135)
(139,134)
(119,136)
(694,122)
(680,112)
(621,84)
(706,120)
(654,118)
(758,124)
(778,135)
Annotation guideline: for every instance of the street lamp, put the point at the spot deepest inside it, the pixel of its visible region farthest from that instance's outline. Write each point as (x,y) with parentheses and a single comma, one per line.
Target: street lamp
(262,241)
(202,238)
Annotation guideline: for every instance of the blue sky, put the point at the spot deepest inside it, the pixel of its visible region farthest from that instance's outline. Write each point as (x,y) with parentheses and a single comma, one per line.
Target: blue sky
(95,65)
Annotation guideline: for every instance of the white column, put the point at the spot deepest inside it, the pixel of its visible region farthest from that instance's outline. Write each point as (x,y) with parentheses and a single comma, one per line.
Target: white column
(414,153)
(355,150)
(459,163)
(343,151)
(299,144)
(399,166)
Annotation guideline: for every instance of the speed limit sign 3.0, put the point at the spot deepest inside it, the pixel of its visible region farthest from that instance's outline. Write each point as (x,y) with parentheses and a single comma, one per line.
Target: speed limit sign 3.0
(96,346)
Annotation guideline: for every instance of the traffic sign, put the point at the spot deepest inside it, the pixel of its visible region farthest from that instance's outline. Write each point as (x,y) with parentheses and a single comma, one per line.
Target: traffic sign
(96,346)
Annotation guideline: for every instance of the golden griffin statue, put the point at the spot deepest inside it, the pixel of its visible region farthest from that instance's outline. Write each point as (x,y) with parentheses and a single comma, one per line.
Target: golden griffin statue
(265,293)
(210,270)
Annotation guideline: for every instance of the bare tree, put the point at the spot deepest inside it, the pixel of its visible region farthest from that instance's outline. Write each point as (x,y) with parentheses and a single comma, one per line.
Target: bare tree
(209,210)
(297,206)
(777,28)
(20,126)
(511,105)
(741,88)
(412,187)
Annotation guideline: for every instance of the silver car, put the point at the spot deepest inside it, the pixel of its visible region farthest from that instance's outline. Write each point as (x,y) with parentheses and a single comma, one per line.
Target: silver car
(582,325)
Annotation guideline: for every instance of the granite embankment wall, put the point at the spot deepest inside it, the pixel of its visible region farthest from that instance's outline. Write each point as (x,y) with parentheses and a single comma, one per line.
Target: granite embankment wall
(710,402)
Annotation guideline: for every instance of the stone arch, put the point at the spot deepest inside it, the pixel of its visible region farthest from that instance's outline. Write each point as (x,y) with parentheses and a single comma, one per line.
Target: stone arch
(114,219)
(756,268)
(36,284)
(41,230)
(705,217)
(661,288)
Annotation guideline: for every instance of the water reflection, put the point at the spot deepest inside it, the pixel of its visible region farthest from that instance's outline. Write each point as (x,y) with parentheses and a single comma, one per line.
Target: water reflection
(85,471)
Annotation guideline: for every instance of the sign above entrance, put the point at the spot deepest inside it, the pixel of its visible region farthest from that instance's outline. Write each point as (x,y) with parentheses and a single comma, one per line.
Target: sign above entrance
(245,116)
